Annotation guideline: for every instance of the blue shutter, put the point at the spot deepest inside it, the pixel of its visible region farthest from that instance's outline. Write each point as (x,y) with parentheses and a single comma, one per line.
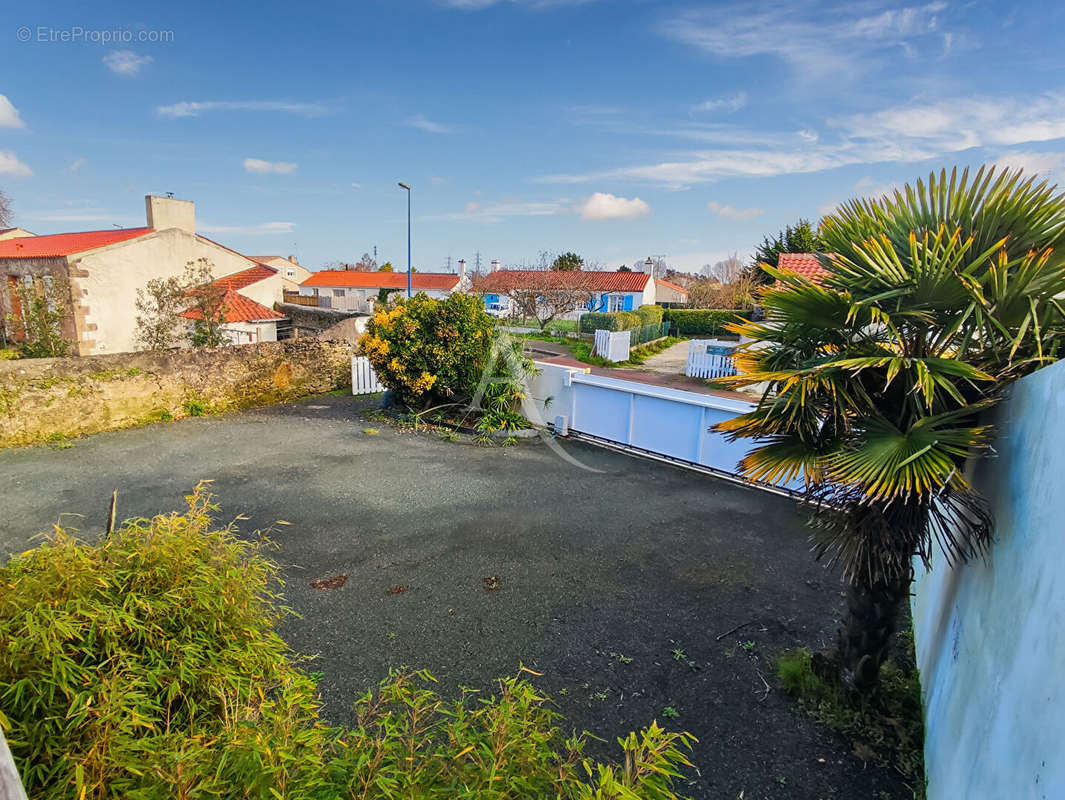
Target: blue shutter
(628,302)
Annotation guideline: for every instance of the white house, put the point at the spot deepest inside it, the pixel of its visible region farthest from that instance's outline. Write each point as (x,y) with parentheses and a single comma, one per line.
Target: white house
(248,297)
(104,270)
(349,290)
(292,272)
(246,321)
(611,291)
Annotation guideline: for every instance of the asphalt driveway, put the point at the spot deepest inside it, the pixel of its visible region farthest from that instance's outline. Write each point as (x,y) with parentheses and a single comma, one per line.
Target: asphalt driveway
(615,584)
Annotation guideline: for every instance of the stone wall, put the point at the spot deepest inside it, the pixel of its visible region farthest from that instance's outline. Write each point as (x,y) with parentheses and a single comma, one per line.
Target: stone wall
(46,398)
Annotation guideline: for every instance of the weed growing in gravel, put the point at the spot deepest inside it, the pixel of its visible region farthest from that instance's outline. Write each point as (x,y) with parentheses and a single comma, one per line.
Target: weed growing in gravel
(886,727)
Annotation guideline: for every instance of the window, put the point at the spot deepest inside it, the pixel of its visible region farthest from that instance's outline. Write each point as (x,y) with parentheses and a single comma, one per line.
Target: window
(290,273)
(617,302)
(338,293)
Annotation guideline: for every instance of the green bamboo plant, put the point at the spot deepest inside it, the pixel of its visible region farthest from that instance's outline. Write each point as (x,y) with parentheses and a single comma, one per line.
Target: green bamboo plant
(878,379)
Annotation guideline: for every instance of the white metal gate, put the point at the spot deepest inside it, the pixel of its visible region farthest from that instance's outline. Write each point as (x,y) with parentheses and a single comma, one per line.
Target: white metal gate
(709,358)
(612,345)
(363,378)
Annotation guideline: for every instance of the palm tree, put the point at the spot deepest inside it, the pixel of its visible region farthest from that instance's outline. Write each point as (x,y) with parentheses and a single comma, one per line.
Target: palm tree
(878,379)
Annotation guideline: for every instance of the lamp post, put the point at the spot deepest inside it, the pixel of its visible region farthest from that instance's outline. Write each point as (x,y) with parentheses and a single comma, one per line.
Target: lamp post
(407,187)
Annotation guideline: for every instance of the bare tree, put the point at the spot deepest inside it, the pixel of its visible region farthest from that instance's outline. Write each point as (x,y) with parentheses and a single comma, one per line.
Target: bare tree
(366,264)
(728,270)
(542,294)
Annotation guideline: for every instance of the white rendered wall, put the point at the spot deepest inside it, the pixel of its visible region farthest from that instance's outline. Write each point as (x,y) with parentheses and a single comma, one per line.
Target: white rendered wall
(991,635)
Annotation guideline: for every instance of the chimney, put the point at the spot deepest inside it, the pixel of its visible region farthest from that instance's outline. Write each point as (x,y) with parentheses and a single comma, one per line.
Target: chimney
(495,265)
(166,212)
(462,268)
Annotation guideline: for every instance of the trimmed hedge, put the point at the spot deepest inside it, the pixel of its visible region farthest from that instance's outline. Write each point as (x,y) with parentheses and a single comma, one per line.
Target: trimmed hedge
(610,321)
(703,321)
(650,315)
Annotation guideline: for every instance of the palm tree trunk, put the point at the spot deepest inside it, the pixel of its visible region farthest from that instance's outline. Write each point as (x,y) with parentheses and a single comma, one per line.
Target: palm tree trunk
(887,537)
(871,620)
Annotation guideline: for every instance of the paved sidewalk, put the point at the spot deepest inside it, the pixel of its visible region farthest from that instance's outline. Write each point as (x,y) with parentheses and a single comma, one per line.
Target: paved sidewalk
(672,360)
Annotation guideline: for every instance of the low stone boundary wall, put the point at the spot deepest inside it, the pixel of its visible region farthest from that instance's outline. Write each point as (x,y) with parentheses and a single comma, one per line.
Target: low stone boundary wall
(45,398)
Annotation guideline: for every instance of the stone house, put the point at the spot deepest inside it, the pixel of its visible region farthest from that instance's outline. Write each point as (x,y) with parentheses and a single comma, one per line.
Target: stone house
(104,269)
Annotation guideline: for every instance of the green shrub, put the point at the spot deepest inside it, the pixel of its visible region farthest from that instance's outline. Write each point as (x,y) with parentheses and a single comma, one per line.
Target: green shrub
(122,662)
(610,321)
(428,350)
(194,407)
(650,315)
(703,321)
(148,666)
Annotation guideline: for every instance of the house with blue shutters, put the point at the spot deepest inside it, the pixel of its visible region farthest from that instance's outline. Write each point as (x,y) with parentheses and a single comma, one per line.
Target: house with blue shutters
(610,291)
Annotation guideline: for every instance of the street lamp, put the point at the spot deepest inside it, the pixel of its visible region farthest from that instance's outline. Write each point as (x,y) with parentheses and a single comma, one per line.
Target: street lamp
(407,187)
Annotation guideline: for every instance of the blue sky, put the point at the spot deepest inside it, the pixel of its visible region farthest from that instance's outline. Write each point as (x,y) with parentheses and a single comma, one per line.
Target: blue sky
(615,129)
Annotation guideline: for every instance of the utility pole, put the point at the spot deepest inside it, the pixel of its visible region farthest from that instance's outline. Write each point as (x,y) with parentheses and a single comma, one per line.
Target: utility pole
(477,262)
(449,262)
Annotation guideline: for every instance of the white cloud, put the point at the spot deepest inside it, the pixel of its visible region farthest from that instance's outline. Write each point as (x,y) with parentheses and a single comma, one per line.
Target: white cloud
(261,228)
(726,104)
(356,185)
(907,133)
(9,116)
(78,164)
(257,166)
(603,206)
(196,108)
(496,212)
(1044,164)
(427,125)
(728,212)
(830,42)
(961,123)
(125,62)
(10,165)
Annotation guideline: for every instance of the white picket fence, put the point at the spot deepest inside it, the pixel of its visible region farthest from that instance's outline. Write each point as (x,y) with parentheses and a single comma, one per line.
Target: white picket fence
(710,358)
(363,378)
(612,345)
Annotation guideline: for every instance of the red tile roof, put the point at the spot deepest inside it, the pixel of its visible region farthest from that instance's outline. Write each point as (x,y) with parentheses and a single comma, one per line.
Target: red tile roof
(805,264)
(65,244)
(670,285)
(239,309)
(246,277)
(347,278)
(506,279)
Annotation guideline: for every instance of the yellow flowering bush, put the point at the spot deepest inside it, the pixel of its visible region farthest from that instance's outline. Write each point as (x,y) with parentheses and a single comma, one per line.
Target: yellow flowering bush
(429,351)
